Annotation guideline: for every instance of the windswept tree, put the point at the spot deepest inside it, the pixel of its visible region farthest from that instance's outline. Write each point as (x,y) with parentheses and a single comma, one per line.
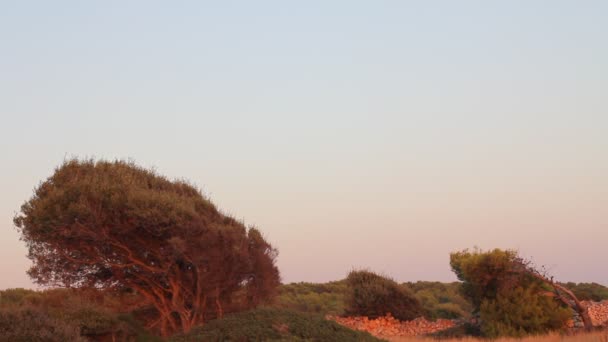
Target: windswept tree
(114,225)
(512,296)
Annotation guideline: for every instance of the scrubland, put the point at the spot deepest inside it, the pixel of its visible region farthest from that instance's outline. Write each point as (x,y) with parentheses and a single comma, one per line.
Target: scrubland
(580,337)
(136,256)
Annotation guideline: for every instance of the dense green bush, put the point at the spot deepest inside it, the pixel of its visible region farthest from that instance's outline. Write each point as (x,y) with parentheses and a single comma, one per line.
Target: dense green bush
(483,273)
(521,311)
(509,301)
(273,325)
(372,295)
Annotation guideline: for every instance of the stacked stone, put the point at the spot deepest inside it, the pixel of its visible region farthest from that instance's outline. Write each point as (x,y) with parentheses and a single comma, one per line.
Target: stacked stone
(598,312)
(388,326)
(576,322)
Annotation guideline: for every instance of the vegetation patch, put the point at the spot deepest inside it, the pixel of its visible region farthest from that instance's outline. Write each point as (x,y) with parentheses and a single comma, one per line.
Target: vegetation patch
(273,325)
(67,315)
(588,291)
(373,296)
(116,226)
(509,297)
(441,300)
(323,299)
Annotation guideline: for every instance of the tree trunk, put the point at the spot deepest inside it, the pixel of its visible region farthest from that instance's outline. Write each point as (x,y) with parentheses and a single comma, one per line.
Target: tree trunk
(524,267)
(186,320)
(578,306)
(220,311)
(164,331)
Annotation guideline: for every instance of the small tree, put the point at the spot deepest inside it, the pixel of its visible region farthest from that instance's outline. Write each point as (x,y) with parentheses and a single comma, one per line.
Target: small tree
(372,295)
(114,225)
(511,297)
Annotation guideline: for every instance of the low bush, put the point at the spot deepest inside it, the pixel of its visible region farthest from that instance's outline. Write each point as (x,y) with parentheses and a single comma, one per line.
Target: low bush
(273,325)
(324,299)
(372,295)
(441,300)
(28,324)
(41,315)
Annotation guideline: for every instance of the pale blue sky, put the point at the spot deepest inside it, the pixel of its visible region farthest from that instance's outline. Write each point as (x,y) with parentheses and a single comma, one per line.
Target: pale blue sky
(380,134)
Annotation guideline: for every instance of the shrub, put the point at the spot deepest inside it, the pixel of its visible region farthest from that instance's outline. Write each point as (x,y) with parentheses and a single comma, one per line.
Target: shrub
(273,325)
(521,312)
(16,297)
(324,299)
(94,321)
(448,311)
(372,295)
(441,300)
(31,324)
(509,301)
(57,309)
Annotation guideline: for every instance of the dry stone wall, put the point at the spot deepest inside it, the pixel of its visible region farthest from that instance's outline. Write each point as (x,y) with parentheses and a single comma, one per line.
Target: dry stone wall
(598,312)
(388,326)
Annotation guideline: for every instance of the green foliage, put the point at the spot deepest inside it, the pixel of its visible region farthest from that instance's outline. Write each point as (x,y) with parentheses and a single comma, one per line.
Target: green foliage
(273,325)
(441,300)
(483,273)
(27,324)
(520,312)
(94,320)
(16,297)
(115,225)
(588,291)
(60,312)
(324,299)
(510,301)
(372,295)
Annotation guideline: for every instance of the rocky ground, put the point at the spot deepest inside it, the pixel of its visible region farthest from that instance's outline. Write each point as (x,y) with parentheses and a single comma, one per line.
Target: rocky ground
(388,326)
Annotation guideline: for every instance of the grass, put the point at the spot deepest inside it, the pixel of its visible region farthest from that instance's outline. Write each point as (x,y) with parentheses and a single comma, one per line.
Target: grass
(601,336)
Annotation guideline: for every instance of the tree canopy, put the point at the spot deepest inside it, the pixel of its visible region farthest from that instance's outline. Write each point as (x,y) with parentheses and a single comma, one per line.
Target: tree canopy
(510,295)
(115,225)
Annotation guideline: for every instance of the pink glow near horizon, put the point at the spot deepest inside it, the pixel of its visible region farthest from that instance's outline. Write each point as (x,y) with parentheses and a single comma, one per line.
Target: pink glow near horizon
(353,135)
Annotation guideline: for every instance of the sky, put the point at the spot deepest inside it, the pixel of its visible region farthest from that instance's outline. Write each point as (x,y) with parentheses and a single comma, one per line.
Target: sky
(354,134)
